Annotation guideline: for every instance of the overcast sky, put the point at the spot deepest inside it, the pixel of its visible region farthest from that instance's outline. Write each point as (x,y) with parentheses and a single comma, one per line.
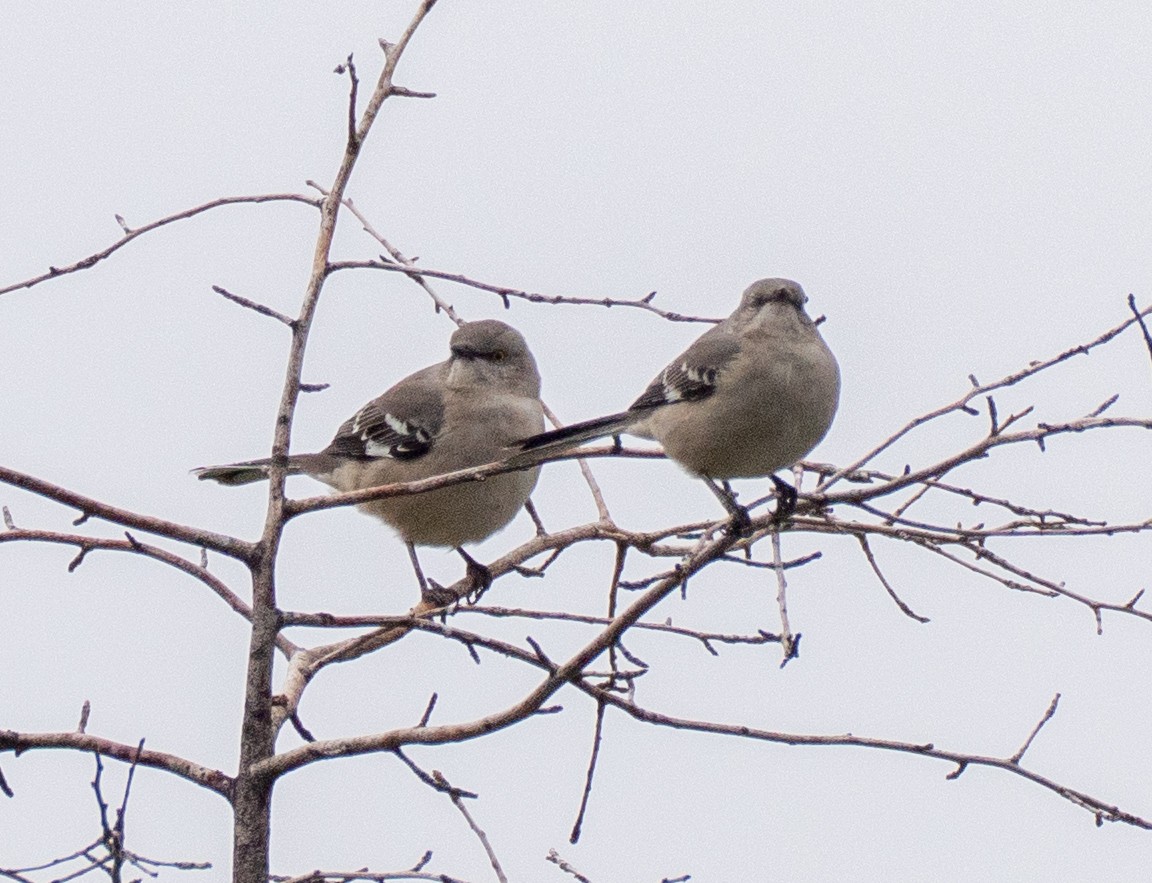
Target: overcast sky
(960,187)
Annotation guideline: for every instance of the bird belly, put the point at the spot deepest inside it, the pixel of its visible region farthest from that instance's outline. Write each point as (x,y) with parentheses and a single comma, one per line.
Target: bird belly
(456,515)
(751,435)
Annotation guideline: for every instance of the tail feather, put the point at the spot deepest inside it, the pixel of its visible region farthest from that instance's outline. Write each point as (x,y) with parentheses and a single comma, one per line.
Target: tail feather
(247,472)
(578,433)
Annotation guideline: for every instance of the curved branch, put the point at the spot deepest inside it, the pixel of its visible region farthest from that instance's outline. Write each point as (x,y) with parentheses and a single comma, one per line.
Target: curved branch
(213,780)
(961,404)
(222,543)
(130,234)
(1103,811)
(435,735)
(474,473)
(410,269)
(1038,435)
(86,544)
(570,671)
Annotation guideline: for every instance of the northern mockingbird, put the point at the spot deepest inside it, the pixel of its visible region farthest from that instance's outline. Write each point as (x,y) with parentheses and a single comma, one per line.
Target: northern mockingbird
(461,412)
(752,395)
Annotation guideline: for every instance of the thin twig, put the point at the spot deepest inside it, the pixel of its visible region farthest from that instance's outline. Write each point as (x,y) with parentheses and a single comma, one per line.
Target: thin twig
(979,390)
(254,306)
(789,642)
(597,733)
(1019,755)
(1139,315)
(586,471)
(130,234)
(642,303)
(904,608)
(476,829)
(438,302)
(554,857)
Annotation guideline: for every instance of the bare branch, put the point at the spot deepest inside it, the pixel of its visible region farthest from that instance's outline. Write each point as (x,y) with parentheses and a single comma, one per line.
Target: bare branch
(904,608)
(961,404)
(555,858)
(130,234)
(396,255)
(252,305)
(218,542)
(586,471)
(213,780)
(642,303)
(1101,810)
(1139,317)
(353,86)
(200,572)
(476,829)
(1019,755)
(597,733)
(789,642)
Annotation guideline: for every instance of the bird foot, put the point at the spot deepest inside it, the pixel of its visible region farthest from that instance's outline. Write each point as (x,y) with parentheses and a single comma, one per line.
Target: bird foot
(436,595)
(786,497)
(479,579)
(740,524)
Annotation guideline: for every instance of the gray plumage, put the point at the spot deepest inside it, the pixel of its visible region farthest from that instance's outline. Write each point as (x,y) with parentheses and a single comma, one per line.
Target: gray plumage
(462,412)
(752,395)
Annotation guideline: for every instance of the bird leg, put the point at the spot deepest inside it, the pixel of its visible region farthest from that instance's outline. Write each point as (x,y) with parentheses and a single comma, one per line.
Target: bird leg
(431,592)
(785,500)
(740,523)
(479,577)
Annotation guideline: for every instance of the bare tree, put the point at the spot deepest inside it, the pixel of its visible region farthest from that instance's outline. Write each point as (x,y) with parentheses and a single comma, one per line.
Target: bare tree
(919,507)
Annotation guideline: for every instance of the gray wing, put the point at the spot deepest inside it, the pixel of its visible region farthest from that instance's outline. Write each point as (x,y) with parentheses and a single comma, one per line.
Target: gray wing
(401,424)
(692,375)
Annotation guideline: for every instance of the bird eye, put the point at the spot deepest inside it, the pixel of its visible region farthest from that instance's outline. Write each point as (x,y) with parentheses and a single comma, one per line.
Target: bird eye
(499,356)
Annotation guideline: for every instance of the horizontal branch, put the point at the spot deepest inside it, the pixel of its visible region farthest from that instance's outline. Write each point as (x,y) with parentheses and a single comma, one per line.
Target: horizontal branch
(515,463)
(86,544)
(564,674)
(1103,811)
(213,780)
(89,507)
(133,233)
(571,670)
(409,269)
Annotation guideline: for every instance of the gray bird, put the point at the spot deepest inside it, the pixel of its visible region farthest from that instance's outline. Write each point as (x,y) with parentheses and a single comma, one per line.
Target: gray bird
(751,396)
(461,412)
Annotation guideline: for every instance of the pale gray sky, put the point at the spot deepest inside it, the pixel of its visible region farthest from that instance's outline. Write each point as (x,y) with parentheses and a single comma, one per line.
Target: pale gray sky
(960,187)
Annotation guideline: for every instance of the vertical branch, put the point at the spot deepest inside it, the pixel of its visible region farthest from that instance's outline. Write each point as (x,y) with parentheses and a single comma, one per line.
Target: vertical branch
(613,597)
(789,642)
(252,794)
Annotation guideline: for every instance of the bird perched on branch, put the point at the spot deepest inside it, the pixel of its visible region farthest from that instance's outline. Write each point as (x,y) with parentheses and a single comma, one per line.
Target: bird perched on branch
(461,412)
(751,396)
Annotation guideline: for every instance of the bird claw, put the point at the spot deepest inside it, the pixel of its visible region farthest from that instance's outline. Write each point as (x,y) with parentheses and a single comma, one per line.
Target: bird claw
(437,595)
(786,497)
(479,581)
(740,524)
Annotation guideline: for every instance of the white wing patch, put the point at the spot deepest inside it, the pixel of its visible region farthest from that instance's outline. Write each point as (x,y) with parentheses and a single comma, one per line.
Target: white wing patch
(671,389)
(375,449)
(687,381)
(404,438)
(398,426)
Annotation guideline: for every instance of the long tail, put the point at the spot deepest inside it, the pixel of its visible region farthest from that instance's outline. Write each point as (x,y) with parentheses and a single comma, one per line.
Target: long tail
(247,472)
(578,433)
